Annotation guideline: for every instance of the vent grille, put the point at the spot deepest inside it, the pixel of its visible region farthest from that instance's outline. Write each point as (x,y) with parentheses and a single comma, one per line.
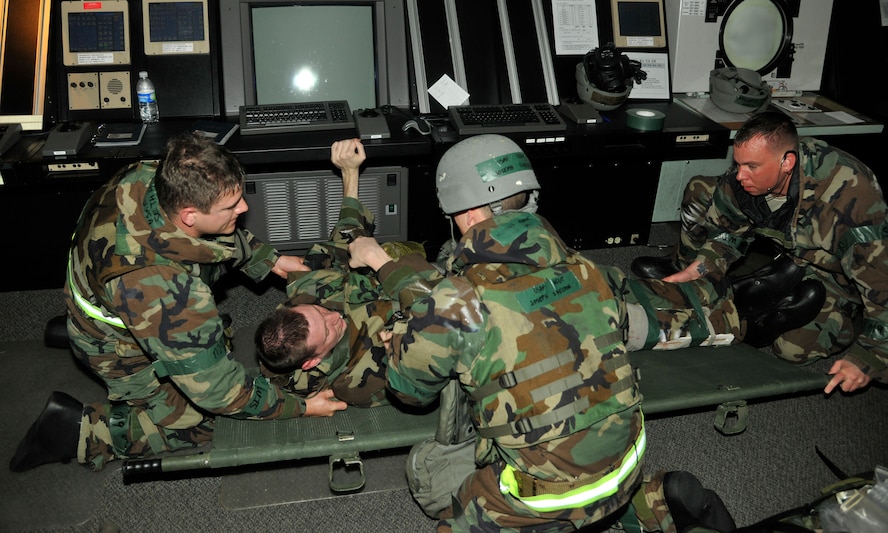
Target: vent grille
(293,210)
(307,199)
(277,211)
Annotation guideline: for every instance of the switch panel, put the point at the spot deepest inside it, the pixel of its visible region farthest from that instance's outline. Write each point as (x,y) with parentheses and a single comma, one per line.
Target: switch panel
(116,92)
(83,90)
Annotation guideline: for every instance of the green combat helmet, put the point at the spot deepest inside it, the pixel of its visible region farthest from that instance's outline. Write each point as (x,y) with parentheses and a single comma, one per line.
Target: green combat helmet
(483,170)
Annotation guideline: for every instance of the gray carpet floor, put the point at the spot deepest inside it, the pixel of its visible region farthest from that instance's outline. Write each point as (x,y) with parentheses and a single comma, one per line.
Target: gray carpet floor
(769,467)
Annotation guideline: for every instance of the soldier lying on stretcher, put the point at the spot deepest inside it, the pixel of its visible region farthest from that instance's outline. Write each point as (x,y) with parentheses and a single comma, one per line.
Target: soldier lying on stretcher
(327,333)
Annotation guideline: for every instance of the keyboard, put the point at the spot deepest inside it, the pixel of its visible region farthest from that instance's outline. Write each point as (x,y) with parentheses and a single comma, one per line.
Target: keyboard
(506,118)
(293,117)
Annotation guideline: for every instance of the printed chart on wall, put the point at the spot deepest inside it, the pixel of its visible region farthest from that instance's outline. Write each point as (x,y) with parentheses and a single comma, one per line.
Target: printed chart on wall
(575,26)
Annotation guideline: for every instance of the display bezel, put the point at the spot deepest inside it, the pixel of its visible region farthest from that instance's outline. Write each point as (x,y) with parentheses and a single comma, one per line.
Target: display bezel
(175,46)
(76,58)
(624,38)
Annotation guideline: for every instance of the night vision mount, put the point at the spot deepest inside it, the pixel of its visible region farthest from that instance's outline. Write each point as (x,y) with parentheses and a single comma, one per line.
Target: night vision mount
(605,77)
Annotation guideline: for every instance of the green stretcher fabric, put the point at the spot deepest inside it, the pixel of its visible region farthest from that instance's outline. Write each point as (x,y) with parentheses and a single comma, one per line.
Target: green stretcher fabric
(700,377)
(670,381)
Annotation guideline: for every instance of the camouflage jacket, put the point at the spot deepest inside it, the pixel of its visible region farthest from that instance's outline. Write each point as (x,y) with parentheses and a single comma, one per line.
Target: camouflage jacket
(130,262)
(834,220)
(519,308)
(364,303)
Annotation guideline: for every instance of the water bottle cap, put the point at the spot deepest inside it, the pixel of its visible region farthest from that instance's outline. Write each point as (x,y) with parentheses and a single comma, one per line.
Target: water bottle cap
(143,74)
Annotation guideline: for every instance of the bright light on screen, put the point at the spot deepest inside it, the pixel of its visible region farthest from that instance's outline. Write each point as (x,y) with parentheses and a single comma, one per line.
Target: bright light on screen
(305,80)
(314,53)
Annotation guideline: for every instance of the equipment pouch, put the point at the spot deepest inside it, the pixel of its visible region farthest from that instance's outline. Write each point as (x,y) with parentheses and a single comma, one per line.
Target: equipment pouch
(454,418)
(437,466)
(435,472)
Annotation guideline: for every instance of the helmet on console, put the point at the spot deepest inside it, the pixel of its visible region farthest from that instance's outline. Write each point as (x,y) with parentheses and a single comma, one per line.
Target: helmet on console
(484,170)
(605,77)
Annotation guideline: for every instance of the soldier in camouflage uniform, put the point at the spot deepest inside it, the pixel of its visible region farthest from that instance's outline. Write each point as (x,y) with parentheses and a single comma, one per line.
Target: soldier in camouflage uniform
(349,306)
(141,314)
(825,211)
(534,333)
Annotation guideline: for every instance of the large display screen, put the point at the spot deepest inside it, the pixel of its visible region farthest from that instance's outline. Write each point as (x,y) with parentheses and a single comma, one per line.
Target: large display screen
(305,53)
(281,51)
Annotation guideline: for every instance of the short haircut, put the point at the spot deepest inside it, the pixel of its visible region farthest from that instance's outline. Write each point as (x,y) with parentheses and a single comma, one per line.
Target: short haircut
(281,340)
(196,172)
(774,126)
(515,202)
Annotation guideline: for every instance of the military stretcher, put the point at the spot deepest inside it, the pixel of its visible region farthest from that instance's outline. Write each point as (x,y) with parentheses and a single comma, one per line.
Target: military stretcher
(670,381)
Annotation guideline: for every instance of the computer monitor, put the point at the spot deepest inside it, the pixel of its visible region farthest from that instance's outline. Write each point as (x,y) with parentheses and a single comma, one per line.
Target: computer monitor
(175,27)
(638,23)
(281,51)
(24,47)
(95,33)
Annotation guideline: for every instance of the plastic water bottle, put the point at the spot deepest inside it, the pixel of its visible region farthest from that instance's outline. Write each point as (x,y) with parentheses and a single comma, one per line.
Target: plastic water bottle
(147,99)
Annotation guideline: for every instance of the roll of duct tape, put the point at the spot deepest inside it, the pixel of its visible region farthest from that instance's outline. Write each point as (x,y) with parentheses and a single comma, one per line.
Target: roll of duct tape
(645,119)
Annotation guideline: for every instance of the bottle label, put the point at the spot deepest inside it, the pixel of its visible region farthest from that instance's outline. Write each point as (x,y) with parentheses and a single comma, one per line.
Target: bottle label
(147,98)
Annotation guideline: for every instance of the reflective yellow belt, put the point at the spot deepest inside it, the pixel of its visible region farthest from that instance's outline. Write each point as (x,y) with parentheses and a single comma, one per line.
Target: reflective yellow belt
(88,308)
(580,496)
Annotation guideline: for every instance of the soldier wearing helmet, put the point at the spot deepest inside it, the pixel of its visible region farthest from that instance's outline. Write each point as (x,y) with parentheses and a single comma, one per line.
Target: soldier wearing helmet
(537,337)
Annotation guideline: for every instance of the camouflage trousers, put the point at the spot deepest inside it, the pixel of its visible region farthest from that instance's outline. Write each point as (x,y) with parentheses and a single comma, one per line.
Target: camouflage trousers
(481,507)
(675,315)
(164,422)
(833,330)
(142,416)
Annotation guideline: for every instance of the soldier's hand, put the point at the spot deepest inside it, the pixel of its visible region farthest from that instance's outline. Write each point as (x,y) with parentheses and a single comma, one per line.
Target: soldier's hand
(847,376)
(365,251)
(289,263)
(690,273)
(386,337)
(323,404)
(348,155)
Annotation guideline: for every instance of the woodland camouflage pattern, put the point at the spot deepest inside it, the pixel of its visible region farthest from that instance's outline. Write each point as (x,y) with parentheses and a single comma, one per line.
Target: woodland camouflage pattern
(515,295)
(677,311)
(168,372)
(355,369)
(834,225)
(520,296)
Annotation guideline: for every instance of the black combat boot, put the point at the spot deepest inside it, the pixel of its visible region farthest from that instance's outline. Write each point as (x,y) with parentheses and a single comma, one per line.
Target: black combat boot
(53,437)
(691,505)
(793,311)
(55,335)
(766,286)
(648,267)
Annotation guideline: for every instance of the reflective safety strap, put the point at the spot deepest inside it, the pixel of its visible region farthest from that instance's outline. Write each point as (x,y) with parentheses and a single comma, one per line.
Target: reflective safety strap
(582,496)
(88,308)
(861,235)
(195,363)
